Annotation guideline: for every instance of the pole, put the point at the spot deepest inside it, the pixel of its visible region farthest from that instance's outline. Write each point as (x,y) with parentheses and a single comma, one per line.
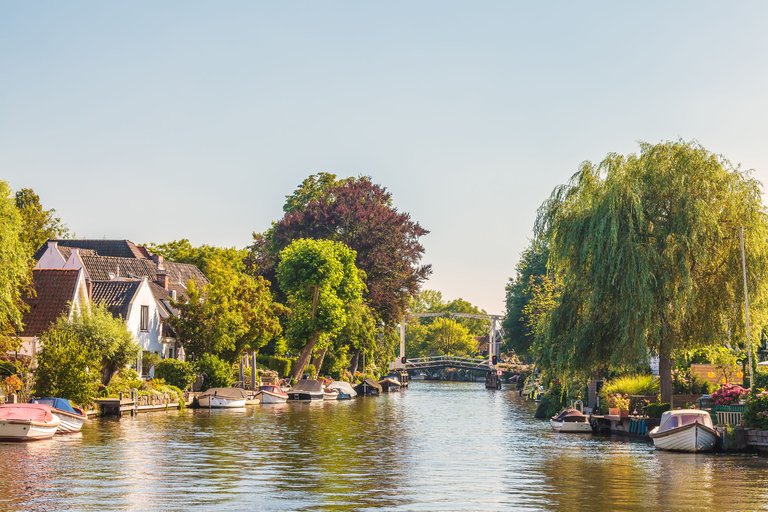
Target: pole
(399,362)
(746,305)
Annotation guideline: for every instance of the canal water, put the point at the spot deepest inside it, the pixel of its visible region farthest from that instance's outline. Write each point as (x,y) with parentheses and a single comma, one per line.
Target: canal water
(435,446)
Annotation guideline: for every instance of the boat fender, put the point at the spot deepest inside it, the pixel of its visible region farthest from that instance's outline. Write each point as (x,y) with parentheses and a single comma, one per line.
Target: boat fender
(644,428)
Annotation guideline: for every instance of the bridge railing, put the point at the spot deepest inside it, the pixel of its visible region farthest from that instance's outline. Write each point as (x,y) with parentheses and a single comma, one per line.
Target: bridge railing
(461,362)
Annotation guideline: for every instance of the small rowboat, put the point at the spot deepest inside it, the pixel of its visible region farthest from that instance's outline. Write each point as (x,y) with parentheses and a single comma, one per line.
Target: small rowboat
(27,422)
(72,418)
(271,394)
(685,430)
(223,397)
(570,420)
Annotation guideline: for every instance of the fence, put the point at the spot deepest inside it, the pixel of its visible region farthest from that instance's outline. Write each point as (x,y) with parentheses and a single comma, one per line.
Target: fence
(728,414)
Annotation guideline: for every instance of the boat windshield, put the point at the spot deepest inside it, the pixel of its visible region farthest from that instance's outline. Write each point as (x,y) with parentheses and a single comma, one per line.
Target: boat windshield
(679,420)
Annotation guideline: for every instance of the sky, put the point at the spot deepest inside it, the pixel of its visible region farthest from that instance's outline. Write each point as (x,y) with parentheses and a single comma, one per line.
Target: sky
(156,121)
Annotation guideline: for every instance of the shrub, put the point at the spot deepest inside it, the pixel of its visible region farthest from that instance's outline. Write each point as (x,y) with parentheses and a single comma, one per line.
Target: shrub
(216,373)
(756,411)
(728,394)
(684,383)
(632,385)
(310,370)
(282,365)
(176,373)
(149,359)
(761,378)
(7,369)
(123,382)
(657,409)
(618,401)
(67,368)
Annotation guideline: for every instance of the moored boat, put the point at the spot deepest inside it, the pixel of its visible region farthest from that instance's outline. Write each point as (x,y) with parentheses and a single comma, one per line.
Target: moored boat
(272,394)
(223,398)
(368,387)
(345,389)
(570,420)
(306,390)
(72,418)
(330,394)
(685,430)
(390,383)
(27,422)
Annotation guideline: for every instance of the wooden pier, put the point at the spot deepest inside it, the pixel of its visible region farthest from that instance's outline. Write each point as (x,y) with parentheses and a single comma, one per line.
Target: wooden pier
(135,404)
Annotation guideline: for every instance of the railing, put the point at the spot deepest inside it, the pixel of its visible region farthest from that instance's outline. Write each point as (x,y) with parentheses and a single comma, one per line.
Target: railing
(728,414)
(442,361)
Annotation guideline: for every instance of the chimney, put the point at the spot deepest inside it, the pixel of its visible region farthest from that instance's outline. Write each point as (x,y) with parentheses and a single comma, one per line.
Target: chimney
(158,259)
(89,289)
(162,277)
(173,294)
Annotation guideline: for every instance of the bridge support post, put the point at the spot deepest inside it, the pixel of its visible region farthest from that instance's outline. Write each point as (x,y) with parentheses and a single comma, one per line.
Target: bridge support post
(398,363)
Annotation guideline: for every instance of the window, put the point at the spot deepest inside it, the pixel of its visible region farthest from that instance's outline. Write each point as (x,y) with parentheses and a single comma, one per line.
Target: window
(144,318)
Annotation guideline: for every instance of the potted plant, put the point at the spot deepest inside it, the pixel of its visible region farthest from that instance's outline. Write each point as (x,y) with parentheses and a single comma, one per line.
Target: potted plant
(618,405)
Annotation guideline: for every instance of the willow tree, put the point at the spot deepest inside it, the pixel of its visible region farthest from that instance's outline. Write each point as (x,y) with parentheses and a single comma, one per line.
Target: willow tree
(647,250)
(321,281)
(15,275)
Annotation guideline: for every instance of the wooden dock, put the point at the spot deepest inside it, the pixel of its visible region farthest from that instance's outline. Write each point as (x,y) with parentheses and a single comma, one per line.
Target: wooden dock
(135,404)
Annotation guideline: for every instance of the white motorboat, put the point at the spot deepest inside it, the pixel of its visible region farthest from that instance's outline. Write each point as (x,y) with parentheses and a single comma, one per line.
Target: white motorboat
(72,418)
(27,422)
(685,430)
(571,420)
(306,390)
(223,397)
(346,392)
(271,394)
(330,394)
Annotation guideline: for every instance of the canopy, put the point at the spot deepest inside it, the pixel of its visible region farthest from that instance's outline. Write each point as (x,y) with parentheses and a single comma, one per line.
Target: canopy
(569,415)
(310,385)
(682,417)
(226,393)
(344,387)
(61,404)
(370,383)
(35,412)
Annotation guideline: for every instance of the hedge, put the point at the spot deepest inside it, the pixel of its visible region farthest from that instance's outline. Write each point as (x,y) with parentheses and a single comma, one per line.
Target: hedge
(282,365)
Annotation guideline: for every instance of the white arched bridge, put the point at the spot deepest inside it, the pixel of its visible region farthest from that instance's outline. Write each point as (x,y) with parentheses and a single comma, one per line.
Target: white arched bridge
(440,362)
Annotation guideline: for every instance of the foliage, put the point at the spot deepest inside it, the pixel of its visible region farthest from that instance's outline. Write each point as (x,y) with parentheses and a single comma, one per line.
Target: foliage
(127,379)
(431,301)
(148,360)
(617,401)
(38,225)
(685,383)
(175,372)
(756,410)
(15,274)
(359,214)
(632,385)
(232,314)
(761,378)
(182,251)
(282,365)
(557,398)
(7,368)
(648,249)
(443,336)
(107,335)
(655,410)
(310,370)
(67,366)
(321,281)
(530,269)
(728,394)
(12,384)
(216,372)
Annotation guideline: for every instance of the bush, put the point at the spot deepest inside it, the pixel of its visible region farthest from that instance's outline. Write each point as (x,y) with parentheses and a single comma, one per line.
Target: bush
(7,369)
(216,373)
(631,385)
(756,411)
(728,394)
(148,359)
(761,378)
(175,372)
(282,365)
(657,409)
(67,368)
(684,383)
(123,382)
(310,370)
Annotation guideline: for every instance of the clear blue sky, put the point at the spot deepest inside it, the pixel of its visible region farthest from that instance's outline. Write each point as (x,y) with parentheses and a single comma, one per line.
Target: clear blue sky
(156,121)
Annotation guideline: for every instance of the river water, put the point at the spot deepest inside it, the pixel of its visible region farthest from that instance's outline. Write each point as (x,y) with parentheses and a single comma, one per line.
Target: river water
(435,446)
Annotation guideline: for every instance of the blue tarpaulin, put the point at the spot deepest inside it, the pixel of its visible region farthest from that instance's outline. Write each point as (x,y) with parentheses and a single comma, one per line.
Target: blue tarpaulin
(55,403)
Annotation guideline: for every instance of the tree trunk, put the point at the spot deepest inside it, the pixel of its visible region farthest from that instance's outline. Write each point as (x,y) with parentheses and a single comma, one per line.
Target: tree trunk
(301,362)
(665,378)
(317,362)
(355,360)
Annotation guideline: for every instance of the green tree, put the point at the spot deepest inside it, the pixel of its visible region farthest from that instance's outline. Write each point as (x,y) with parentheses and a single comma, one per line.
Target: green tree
(448,337)
(182,251)
(648,247)
(321,281)
(15,275)
(314,188)
(38,225)
(216,372)
(231,315)
(532,268)
(105,334)
(67,367)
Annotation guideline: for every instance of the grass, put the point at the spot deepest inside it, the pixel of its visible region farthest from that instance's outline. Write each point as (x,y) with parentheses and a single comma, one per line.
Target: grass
(633,385)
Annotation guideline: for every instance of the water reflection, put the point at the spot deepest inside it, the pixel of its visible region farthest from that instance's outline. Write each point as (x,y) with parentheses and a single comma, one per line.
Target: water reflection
(433,447)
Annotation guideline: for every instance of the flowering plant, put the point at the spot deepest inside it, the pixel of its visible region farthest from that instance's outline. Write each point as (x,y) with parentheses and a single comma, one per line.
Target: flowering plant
(618,401)
(728,394)
(12,384)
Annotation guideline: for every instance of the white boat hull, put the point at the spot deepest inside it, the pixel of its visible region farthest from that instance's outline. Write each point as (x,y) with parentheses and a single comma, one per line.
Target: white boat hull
(271,398)
(694,437)
(216,402)
(25,430)
(571,426)
(69,422)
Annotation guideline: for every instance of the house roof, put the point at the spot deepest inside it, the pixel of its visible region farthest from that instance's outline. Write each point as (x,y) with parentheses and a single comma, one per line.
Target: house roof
(117,248)
(116,295)
(66,252)
(55,289)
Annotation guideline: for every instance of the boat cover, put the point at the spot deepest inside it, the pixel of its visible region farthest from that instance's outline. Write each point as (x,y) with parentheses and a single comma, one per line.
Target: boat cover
(569,415)
(343,387)
(681,417)
(271,388)
(226,393)
(370,383)
(308,385)
(35,412)
(61,404)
